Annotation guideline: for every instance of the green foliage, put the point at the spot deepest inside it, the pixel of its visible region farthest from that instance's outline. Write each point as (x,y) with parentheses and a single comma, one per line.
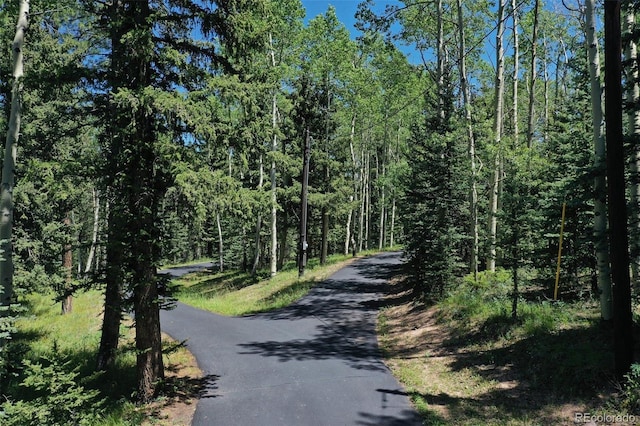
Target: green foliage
(435,211)
(54,397)
(534,342)
(629,401)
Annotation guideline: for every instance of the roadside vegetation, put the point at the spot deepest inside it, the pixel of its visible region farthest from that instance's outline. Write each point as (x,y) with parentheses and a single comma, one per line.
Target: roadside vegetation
(466,361)
(237,293)
(52,371)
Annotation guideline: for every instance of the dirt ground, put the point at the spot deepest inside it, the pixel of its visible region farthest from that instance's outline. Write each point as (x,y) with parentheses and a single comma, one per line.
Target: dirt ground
(451,382)
(183,386)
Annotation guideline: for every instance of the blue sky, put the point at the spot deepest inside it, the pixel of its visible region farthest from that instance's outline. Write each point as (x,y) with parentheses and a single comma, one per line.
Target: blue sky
(345,9)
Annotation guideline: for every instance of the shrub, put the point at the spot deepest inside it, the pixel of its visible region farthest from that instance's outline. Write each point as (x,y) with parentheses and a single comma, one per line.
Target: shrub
(53,397)
(630,395)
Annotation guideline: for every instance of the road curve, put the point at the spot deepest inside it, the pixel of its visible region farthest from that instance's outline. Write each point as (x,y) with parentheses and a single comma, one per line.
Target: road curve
(316,362)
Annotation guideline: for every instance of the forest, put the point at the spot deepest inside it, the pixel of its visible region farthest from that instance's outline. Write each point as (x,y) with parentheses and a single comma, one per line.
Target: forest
(142,133)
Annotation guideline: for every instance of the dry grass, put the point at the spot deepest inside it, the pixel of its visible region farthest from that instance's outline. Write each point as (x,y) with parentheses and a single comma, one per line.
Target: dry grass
(183,386)
(456,378)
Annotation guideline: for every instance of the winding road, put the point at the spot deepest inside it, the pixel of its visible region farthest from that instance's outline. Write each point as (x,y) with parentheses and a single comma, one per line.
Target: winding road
(316,362)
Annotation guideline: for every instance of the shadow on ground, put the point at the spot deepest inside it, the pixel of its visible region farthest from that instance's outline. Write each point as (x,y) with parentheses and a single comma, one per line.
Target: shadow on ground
(543,376)
(184,389)
(346,309)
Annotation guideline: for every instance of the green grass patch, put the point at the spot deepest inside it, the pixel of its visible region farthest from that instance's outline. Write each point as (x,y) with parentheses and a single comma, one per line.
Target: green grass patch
(191,262)
(52,359)
(236,293)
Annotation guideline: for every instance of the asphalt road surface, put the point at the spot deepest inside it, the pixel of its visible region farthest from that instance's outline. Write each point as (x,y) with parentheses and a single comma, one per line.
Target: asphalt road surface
(316,362)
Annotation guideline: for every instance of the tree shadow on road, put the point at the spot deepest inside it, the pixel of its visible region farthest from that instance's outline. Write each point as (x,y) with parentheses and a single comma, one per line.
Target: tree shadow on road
(345,311)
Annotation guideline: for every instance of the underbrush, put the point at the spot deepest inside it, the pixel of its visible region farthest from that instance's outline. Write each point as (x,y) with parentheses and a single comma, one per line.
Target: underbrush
(471,362)
(554,345)
(51,378)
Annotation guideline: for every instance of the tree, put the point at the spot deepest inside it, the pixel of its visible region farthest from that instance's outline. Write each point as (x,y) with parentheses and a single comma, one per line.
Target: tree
(497,135)
(13,133)
(633,118)
(8,167)
(600,208)
(618,237)
(466,96)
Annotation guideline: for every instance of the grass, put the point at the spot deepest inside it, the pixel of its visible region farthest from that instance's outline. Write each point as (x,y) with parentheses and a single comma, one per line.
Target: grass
(191,262)
(236,293)
(465,361)
(46,337)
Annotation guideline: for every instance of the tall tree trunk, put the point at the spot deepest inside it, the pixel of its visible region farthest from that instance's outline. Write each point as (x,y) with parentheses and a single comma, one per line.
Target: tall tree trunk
(284,240)
(303,245)
(363,183)
(545,135)
(284,228)
(440,65)
(383,195)
(392,241)
(220,243)
(367,213)
(256,245)
(114,276)
(347,239)
(138,185)
(534,74)
(617,208)
(362,202)
(67,265)
(325,236)
(497,128)
(600,184)
(9,165)
(466,93)
(94,232)
(633,98)
(516,68)
(348,233)
(274,186)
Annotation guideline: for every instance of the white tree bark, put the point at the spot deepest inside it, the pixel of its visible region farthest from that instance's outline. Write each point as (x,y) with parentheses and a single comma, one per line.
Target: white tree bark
(363,182)
(367,213)
(464,84)
(348,233)
(633,96)
(441,62)
(516,68)
(533,75)
(220,243)
(274,186)
(94,233)
(381,236)
(600,208)
(546,91)
(497,128)
(9,163)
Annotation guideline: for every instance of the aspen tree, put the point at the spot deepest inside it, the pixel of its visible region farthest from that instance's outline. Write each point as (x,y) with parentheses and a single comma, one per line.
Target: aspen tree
(9,162)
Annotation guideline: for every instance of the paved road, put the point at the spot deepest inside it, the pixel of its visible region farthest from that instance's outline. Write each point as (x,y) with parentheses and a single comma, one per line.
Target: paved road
(316,362)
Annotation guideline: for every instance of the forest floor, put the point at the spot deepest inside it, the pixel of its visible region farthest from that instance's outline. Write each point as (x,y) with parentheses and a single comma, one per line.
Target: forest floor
(178,404)
(462,371)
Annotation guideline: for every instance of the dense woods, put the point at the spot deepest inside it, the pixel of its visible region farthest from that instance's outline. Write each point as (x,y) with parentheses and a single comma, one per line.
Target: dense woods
(154,132)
